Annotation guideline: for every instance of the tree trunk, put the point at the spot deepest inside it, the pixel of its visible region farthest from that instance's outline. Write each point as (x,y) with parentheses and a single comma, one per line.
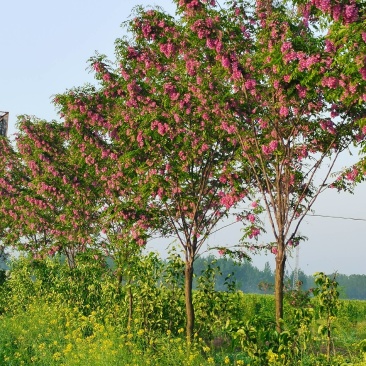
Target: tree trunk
(130,306)
(70,253)
(119,279)
(279,277)
(188,281)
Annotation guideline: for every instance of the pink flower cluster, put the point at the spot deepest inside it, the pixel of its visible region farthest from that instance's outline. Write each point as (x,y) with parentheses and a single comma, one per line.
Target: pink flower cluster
(352,174)
(162,128)
(269,149)
(254,233)
(330,82)
(363,73)
(284,111)
(228,199)
(167,49)
(171,91)
(305,63)
(349,12)
(328,125)
(228,128)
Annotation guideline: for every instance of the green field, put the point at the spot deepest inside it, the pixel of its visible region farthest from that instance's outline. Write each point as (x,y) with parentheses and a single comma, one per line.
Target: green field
(53,315)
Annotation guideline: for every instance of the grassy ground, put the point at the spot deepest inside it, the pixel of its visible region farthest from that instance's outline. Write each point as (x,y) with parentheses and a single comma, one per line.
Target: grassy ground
(55,334)
(51,316)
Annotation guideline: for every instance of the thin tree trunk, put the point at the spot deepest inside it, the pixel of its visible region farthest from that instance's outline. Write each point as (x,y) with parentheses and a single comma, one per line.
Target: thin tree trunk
(130,306)
(279,277)
(119,279)
(70,256)
(188,281)
(328,340)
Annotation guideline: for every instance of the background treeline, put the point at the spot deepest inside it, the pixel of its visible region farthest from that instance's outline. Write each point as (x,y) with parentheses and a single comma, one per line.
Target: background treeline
(250,279)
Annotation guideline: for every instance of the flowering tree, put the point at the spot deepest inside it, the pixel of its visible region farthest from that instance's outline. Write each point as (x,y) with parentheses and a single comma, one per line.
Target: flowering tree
(289,115)
(346,78)
(54,204)
(162,117)
(11,174)
(205,107)
(18,220)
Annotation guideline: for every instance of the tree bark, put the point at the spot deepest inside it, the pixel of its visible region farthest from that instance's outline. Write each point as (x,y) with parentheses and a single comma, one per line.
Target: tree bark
(71,257)
(188,281)
(130,306)
(279,277)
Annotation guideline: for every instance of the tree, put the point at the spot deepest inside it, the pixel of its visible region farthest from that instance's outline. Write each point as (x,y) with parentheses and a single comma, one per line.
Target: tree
(284,108)
(162,113)
(218,103)
(298,126)
(53,207)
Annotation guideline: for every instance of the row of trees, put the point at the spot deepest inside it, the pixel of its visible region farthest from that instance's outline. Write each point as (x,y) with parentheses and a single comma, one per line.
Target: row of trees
(200,112)
(250,279)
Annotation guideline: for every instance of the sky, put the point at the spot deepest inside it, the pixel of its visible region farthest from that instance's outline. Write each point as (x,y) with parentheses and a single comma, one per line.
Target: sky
(44,49)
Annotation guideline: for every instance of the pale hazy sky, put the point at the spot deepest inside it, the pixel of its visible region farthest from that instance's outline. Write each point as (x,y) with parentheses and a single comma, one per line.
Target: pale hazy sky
(44,48)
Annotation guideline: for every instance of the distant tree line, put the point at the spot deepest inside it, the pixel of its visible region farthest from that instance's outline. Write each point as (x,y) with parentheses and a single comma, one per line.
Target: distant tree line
(250,279)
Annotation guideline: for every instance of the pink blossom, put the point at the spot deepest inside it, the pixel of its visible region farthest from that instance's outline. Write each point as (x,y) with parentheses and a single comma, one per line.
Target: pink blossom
(328,125)
(251,218)
(163,128)
(250,84)
(254,233)
(97,66)
(140,139)
(266,150)
(324,5)
(204,147)
(225,61)
(284,111)
(223,179)
(254,204)
(329,46)
(106,77)
(230,129)
(350,13)
(262,124)
(352,175)
(211,43)
(290,56)
(330,82)
(218,46)
(301,90)
(337,11)
(274,250)
(171,90)
(228,200)
(273,145)
(222,251)
(363,73)
(167,49)
(147,30)
(286,46)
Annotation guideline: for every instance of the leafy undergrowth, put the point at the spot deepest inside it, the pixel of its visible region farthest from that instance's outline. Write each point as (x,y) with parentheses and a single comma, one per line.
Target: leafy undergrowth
(51,315)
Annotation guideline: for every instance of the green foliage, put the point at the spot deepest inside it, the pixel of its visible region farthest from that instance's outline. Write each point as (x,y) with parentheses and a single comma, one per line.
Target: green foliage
(54,315)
